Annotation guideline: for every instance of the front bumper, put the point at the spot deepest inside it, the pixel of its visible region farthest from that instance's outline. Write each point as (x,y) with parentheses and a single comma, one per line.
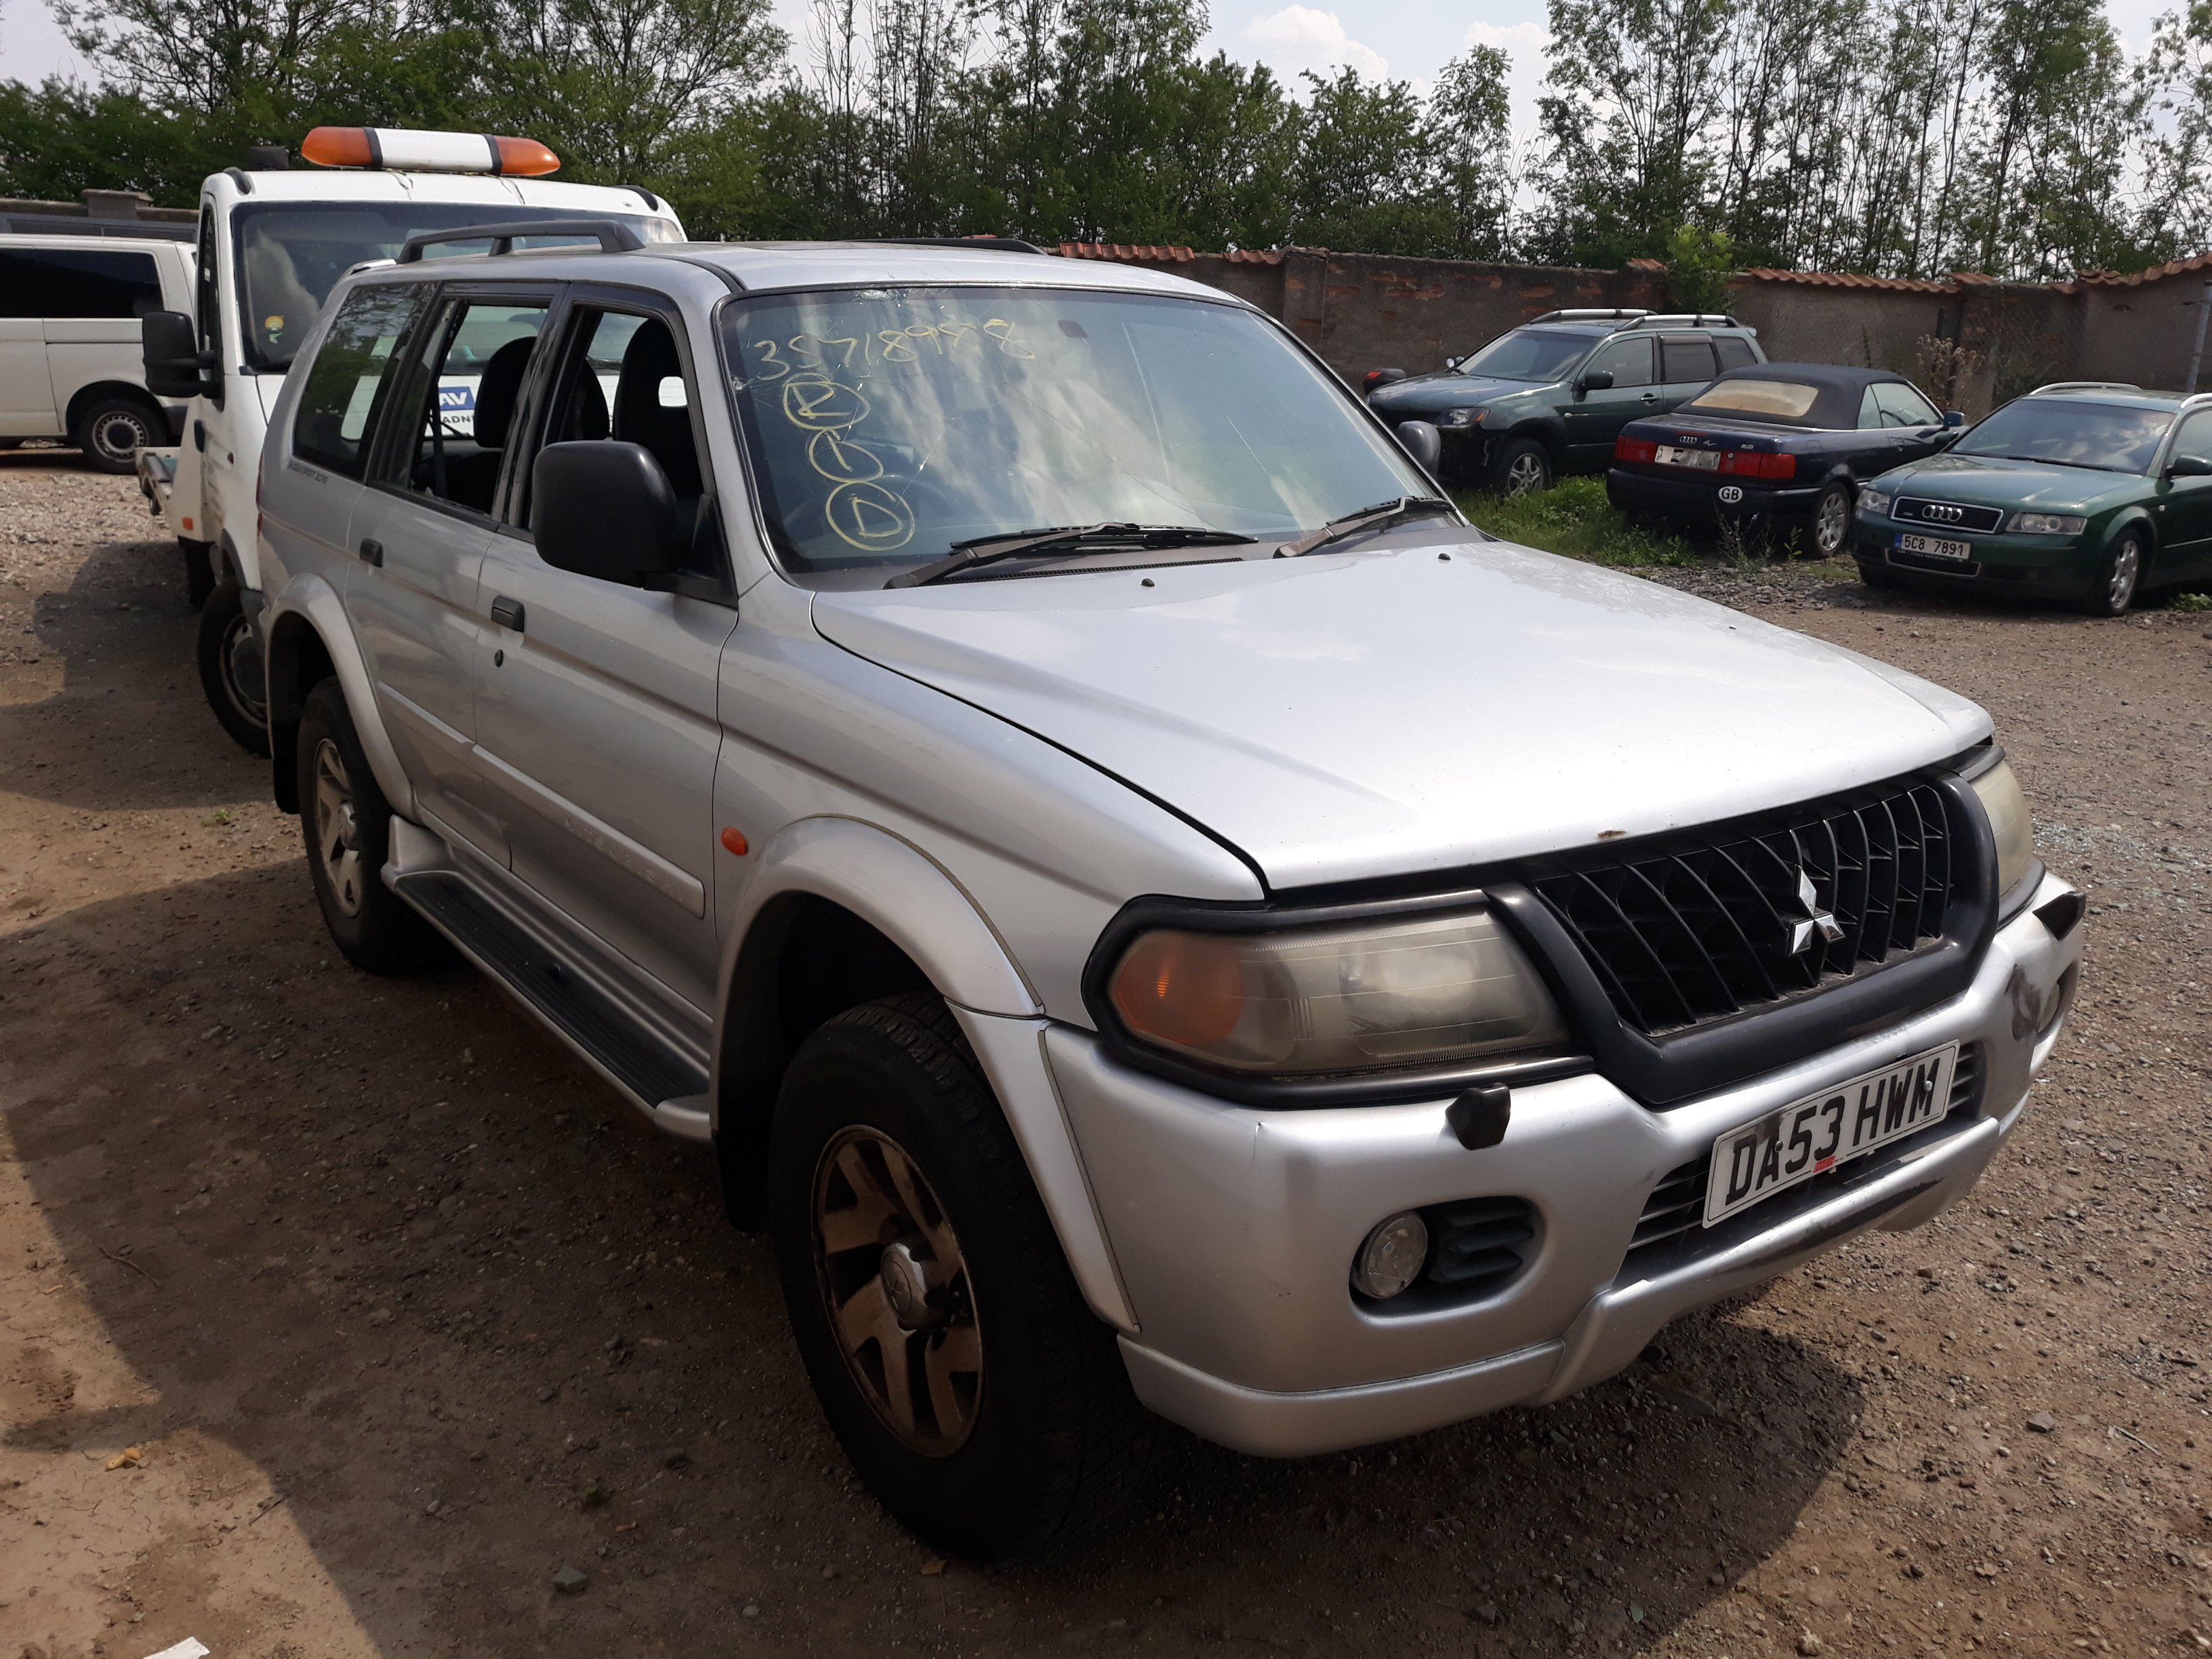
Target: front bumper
(1233,1228)
(2053,566)
(1699,496)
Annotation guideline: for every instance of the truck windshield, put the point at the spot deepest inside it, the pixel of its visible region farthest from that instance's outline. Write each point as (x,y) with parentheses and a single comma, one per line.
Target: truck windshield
(290,254)
(1530,354)
(888,424)
(2105,437)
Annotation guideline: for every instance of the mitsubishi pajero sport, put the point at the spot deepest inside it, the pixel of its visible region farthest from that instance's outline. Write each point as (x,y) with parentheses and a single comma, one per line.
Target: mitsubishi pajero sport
(1156,914)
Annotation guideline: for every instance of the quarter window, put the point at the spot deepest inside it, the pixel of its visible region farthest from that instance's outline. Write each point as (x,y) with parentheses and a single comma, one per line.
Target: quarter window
(1734,350)
(346,383)
(1628,361)
(77,282)
(1686,360)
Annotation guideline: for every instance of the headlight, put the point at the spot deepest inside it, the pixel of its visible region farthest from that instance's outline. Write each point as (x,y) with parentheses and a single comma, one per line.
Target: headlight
(1351,997)
(1872,501)
(2008,821)
(2048,524)
(1462,417)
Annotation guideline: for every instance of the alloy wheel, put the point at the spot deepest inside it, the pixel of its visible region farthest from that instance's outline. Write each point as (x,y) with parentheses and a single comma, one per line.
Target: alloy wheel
(1526,473)
(896,1286)
(2127,568)
(1831,523)
(338,828)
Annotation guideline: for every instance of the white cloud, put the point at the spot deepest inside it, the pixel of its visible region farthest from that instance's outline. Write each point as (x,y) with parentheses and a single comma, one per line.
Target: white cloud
(1299,38)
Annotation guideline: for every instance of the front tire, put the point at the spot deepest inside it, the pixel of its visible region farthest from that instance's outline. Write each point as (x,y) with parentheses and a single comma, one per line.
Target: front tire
(347,824)
(231,671)
(112,430)
(199,569)
(1522,466)
(1875,573)
(2118,579)
(977,1395)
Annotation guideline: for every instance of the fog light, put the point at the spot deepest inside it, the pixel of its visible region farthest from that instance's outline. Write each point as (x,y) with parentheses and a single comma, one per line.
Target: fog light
(1393,1256)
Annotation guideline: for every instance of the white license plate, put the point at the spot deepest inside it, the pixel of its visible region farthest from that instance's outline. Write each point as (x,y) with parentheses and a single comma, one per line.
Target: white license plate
(1812,1136)
(1708,458)
(1935,547)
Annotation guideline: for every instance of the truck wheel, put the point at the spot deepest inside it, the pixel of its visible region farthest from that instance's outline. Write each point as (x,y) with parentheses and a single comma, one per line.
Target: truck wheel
(2118,578)
(1522,464)
(977,1395)
(112,430)
(231,671)
(347,824)
(199,569)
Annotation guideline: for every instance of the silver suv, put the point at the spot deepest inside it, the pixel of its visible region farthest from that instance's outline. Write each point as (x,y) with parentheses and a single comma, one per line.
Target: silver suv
(1156,915)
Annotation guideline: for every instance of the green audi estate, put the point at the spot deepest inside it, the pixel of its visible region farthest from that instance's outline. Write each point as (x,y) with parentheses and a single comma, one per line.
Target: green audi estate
(2087,491)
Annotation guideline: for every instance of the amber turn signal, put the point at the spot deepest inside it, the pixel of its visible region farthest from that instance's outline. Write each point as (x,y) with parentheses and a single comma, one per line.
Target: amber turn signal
(734,843)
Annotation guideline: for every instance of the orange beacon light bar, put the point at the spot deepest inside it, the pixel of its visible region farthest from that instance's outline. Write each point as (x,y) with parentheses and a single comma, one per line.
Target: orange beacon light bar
(399,150)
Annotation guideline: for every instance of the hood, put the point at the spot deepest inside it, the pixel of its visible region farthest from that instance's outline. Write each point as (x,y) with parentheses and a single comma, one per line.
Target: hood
(1389,712)
(1992,480)
(1431,394)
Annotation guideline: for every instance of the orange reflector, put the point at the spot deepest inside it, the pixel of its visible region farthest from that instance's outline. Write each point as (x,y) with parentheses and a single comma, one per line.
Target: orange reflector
(734,842)
(188,524)
(338,147)
(525,156)
(1183,988)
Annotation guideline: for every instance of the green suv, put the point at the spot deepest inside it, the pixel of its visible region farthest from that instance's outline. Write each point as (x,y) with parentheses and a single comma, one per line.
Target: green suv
(2086,490)
(1550,397)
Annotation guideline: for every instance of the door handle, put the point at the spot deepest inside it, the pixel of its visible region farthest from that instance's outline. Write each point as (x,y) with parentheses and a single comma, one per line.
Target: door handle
(1649,397)
(371,551)
(507,613)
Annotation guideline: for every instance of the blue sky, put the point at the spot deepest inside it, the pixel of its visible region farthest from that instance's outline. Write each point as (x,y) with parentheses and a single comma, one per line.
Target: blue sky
(1407,40)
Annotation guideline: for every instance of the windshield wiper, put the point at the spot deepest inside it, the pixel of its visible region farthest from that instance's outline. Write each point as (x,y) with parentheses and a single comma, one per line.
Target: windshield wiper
(1368,518)
(1095,538)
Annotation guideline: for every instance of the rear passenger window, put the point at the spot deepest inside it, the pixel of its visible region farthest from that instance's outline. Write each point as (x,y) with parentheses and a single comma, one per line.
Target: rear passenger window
(346,383)
(1686,361)
(77,282)
(480,353)
(1735,351)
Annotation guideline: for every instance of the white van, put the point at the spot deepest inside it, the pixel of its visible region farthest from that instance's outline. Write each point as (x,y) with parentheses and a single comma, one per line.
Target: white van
(70,368)
(272,242)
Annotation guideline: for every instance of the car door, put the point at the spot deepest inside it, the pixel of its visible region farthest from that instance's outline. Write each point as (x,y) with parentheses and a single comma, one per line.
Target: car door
(1595,418)
(418,537)
(1687,366)
(595,700)
(2183,508)
(26,388)
(93,331)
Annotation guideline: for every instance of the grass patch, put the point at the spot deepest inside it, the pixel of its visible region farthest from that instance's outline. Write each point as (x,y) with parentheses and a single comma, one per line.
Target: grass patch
(2190,602)
(1574,517)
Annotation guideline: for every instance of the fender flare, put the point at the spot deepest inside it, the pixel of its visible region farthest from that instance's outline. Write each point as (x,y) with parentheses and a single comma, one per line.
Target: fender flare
(310,604)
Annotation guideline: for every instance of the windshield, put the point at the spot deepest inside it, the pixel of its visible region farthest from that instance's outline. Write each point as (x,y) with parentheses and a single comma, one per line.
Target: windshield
(289,256)
(2104,436)
(887,425)
(1530,354)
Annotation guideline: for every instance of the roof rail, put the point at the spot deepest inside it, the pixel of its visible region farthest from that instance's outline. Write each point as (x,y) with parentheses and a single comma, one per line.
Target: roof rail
(987,244)
(614,236)
(1685,319)
(2086,385)
(1587,316)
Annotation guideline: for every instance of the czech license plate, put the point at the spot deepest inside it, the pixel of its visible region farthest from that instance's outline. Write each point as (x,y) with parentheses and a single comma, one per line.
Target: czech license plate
(1812,1136)
(1935,547)
(1668,455)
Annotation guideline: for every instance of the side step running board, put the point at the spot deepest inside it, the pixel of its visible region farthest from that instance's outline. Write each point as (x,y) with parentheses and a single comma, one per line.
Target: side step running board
(669,1084)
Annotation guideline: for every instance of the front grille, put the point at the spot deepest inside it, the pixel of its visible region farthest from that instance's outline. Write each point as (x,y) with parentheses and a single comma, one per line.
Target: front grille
(1672,1230)
(1952,515)
(1710,927)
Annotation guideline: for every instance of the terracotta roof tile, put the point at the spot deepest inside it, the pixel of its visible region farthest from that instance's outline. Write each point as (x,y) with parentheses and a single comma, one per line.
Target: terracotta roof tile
(2136,279)
(1150,253)
(1854,279)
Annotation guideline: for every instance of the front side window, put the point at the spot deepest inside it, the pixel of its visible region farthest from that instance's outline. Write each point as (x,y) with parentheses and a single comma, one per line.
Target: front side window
(347,381)
(2194,440)
(479,356)
(1901,406)
(2103,437)
(1540,354)
(890,425)
(289,256)
(77,282)
(1627,360)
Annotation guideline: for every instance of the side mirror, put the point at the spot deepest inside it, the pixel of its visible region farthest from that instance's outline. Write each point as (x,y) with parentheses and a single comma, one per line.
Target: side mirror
(1421,440)
(1598,380)
(175,366)
(1954,418)
(605,510)
(2188,466)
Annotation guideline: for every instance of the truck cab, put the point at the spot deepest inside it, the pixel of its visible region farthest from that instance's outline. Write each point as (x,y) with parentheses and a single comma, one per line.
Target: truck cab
(270,243)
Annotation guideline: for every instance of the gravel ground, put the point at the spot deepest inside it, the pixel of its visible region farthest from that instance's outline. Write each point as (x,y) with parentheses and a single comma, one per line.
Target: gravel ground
(337,1315)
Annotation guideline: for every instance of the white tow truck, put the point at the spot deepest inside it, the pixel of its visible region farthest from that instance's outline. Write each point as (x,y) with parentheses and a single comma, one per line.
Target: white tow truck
(271,242)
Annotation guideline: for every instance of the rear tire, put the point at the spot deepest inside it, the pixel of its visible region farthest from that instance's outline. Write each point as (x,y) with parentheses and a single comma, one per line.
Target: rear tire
(973,1389)
(347,825)
(231,673)
(112,430)
(1521,466)
(2119,579)
(1828,526)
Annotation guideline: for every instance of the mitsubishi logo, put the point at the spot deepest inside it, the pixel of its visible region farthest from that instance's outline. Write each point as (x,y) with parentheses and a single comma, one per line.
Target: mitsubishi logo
(1817,920)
